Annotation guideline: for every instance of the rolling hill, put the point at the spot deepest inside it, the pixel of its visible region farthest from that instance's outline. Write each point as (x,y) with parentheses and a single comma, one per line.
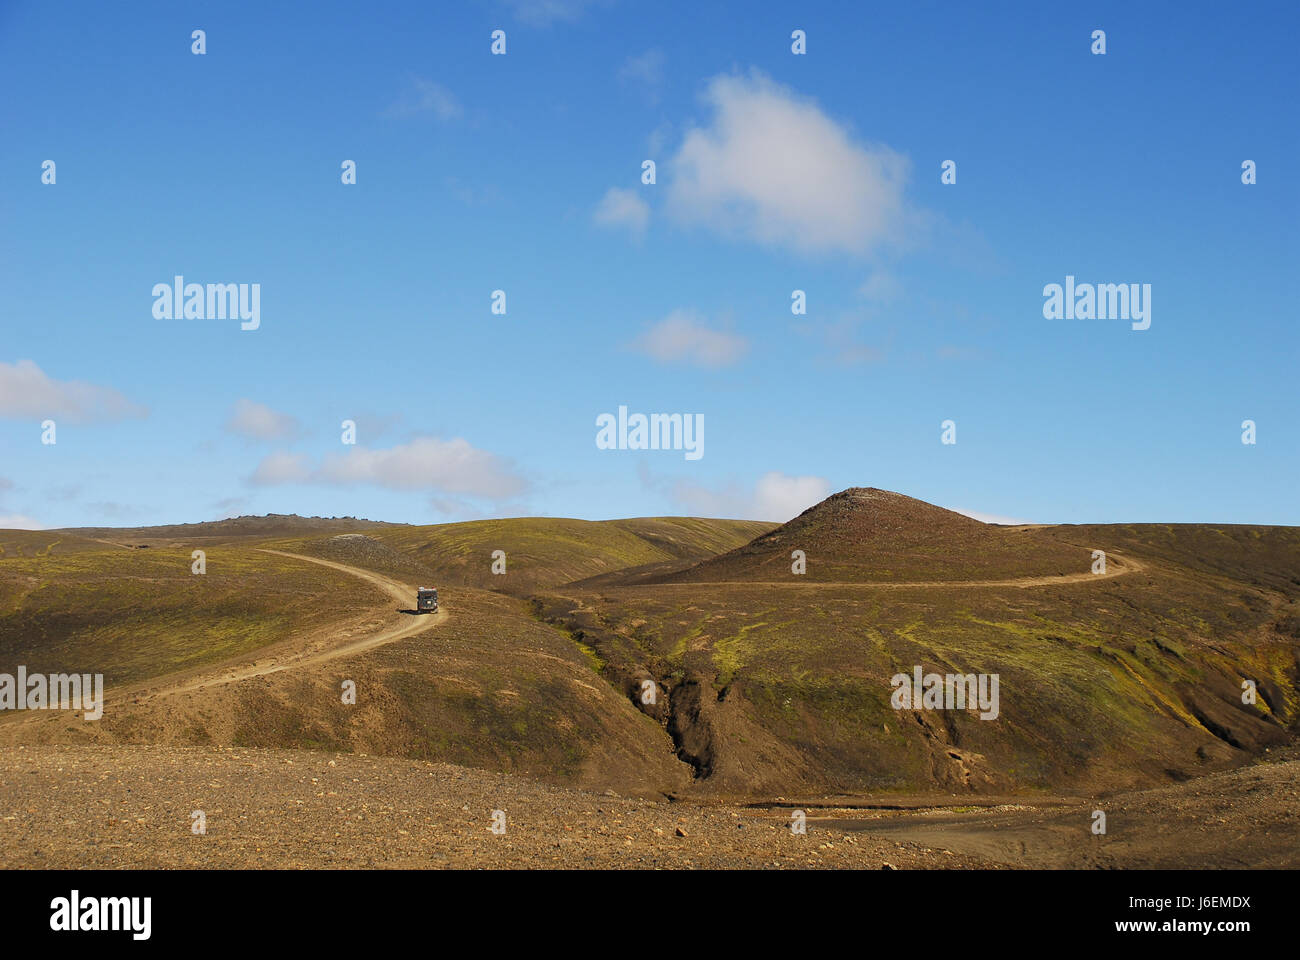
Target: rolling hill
(544,552)
(865,535)
(765,682)
(774,682)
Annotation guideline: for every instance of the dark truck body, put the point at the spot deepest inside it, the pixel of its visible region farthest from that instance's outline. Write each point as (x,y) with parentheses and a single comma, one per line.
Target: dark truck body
(426,600)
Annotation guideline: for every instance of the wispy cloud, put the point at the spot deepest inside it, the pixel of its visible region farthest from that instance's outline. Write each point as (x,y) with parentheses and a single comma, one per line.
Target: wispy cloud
(645,71)
(775,496)
(881,287)
(18,521)
(683,337)
(843,341)
(425,463)
(281,467)
(27,392)
(228,507)
(623,207)
(458,509)
(473,194)
(63,492)
(371,426)
(425,96)
(113,510)
(542,13)
(257,421)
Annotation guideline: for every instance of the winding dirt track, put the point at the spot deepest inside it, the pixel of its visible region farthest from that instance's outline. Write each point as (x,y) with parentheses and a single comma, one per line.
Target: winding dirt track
(321,646)
(402,625)
(1125,565)
(399,626)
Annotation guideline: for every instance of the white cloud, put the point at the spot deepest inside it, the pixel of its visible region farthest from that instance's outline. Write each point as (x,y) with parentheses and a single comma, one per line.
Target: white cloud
(17,521)
(425,463)
(373,425)
(453,466)
(456,509)
(773,168)
(658,137)
(623,207)
(775,497)
(645,70)
(541,13)
(257,421)
(881,287)
(682,337)
(281,468)
(781,497)
(473,194)
(425,96)
(26,392)
(843,341)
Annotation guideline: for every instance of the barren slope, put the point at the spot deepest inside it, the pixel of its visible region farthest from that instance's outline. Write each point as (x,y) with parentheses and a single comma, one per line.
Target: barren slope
(543,551)
(767,683)
(778,683)
(867,535)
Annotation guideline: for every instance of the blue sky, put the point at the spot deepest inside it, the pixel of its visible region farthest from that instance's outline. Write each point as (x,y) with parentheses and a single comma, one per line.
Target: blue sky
(774,172)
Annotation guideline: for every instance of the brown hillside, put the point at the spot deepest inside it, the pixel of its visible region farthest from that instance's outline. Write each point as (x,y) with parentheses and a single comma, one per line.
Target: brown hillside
(867,535)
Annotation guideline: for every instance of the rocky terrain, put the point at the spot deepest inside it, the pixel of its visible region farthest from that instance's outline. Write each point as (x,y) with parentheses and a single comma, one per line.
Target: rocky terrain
(279,809)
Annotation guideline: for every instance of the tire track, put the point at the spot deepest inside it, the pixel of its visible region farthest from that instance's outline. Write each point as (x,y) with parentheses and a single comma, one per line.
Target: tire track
(1126,565)
(402,626)
(282,657)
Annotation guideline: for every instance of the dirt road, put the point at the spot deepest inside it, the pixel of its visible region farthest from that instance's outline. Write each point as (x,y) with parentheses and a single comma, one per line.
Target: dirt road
(401,625)
(1125,565)
(318,647)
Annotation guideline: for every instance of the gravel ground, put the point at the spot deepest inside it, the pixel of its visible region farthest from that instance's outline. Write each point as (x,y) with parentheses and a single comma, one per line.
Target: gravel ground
(131,806)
